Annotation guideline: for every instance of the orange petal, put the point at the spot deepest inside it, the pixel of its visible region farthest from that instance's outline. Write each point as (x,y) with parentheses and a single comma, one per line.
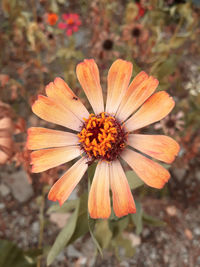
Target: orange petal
(51,111)
(160,147)
(6,124)
(154,109)
(141,88)
(88,76)
(99,196)
(39,138)
(152,173)
(45,159)
(65,185)
(119,77)
(61,93)
(123,202)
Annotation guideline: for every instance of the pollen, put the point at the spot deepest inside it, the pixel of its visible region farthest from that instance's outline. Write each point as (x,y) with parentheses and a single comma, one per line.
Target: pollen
(102,137)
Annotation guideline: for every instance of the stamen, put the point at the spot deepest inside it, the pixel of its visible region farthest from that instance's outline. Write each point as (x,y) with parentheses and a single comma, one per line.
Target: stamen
(102,137)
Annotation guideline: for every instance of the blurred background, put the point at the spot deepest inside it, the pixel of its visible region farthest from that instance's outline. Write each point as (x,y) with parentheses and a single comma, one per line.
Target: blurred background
(42,39)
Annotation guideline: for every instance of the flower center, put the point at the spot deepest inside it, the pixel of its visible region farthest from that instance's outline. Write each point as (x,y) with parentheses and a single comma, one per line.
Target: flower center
(108,44)
(102,137)
(170,123)
(136,32)
(70,21)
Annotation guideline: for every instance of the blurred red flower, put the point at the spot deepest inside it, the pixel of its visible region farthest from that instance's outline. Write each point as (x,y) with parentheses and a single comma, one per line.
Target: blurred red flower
(71,23)
(141,11)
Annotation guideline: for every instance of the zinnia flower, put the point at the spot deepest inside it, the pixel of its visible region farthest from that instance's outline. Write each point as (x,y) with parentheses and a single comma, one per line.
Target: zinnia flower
(52,18)
(171,123)
(141,11)
(104,136)
(103,46)
(71,23)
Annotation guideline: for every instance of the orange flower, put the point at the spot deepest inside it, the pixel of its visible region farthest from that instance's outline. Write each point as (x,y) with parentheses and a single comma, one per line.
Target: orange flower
(52,18)
(105,136)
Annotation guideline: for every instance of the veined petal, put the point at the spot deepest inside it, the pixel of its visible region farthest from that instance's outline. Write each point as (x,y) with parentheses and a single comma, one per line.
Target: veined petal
(61,93)
(39,138)
(154,109)
(119,77)
(141,88)
(160,147)
(152,173)
(123,202)
(99,196)
(65,185)
(88,76)
(45,159)
(51,111)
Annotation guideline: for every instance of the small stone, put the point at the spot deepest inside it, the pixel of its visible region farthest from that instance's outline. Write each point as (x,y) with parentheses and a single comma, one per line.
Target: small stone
(35,227)
(61,257)
(72,252)
(21,189)
(4,190)
(198,261)
(188,234)
(2,206)
(171,210)
(81,261)
(59,218)
(135,239)
(197,231)
(197,174)
(179,173)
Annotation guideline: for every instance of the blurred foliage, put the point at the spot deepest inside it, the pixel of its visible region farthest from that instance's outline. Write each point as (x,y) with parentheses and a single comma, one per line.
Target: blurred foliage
(11,255)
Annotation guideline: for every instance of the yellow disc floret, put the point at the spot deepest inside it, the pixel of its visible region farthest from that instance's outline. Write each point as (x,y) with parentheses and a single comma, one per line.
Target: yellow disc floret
(102,136)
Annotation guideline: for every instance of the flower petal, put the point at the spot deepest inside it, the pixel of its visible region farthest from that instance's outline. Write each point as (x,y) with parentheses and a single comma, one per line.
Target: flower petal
(39,138)
(88,76)
(154,109)
(51,111)
(152,173)
(123,202)
(61,93)
(160,147)
(99,196)
(119,77)
(45,159)
(65,185)
(62,25)
(141,88)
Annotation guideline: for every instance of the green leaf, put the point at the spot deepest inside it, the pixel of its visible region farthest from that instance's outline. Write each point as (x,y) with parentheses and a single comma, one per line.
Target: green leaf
(81,227)
(64,236)
(117,226)
(167,67)
(137,218)
(104,239)
(120,241)
(12,256)
(82,221)
(66,207)
(91,171)
(133,180)
(152,220)
(91,225)
(136,68)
